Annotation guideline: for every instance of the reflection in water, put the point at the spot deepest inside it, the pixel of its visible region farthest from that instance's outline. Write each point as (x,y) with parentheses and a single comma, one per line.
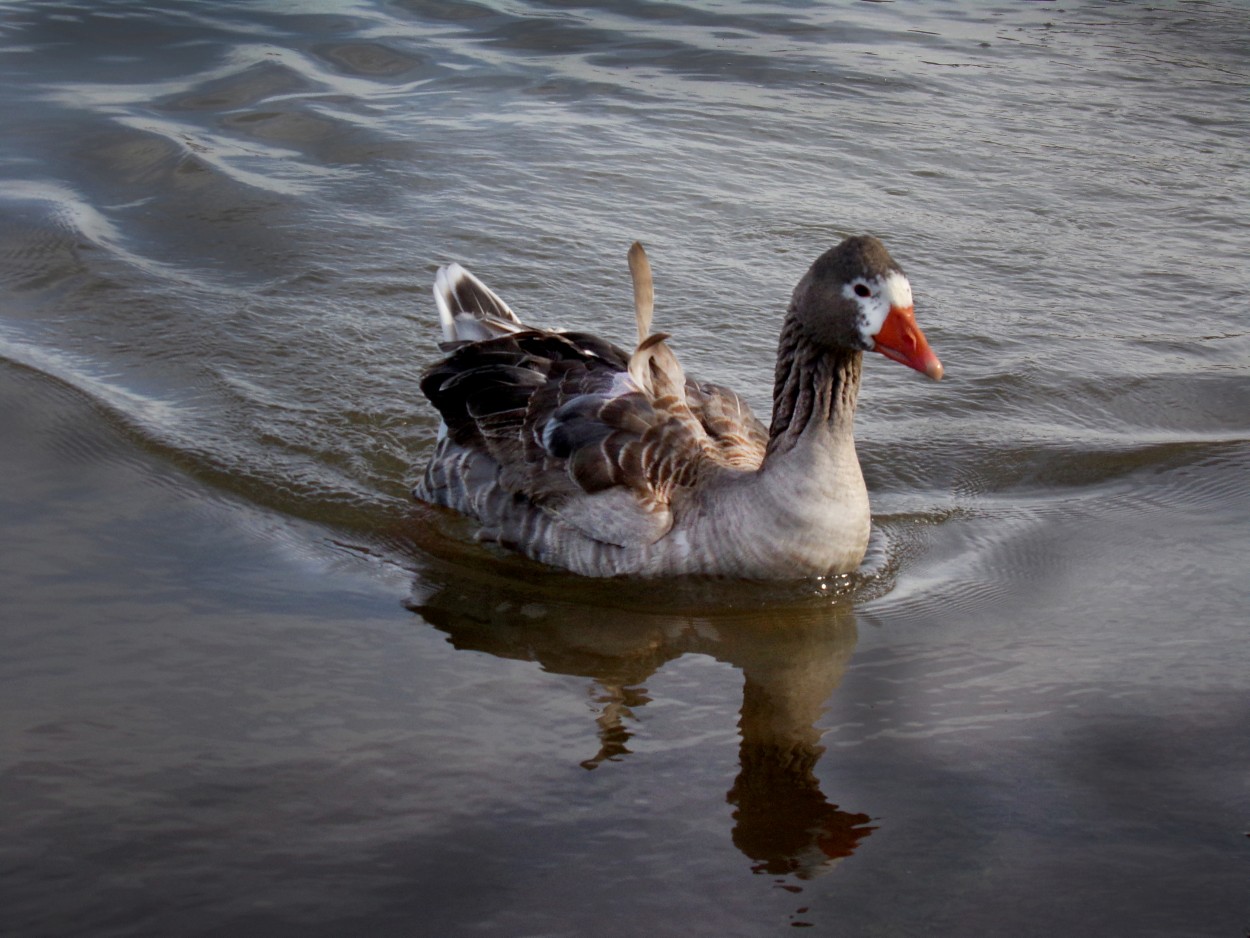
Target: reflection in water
(791,661)
(618,704)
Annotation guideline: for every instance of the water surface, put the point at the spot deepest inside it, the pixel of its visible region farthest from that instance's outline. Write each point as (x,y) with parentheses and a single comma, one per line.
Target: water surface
(249,687)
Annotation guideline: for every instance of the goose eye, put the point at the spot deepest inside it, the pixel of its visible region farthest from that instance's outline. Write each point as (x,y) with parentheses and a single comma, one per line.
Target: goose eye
(862,290)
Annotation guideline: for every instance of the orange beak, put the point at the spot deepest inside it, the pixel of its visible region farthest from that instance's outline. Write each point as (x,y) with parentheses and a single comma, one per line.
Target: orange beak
(901,339)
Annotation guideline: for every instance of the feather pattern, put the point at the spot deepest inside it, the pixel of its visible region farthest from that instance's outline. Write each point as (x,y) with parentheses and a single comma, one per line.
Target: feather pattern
(579,454)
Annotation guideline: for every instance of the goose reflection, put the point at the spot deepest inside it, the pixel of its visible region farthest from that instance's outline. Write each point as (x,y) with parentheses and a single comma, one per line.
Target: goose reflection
(791,662)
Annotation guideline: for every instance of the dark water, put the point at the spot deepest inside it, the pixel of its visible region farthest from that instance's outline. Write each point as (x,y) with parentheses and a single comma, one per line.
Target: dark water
(249,689)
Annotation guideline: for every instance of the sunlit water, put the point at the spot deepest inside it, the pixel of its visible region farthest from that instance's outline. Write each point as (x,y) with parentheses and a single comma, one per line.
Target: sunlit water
(249,688)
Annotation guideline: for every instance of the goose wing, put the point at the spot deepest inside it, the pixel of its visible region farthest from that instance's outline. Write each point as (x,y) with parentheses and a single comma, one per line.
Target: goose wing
(735,436)
(570,432)
(603,440)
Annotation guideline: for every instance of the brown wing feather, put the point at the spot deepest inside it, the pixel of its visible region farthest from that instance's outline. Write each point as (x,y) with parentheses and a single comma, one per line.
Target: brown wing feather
(559,418)
(735,437)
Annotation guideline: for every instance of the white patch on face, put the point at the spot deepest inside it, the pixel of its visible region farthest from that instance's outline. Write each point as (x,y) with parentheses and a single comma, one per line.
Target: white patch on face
(897,291)
(892,290)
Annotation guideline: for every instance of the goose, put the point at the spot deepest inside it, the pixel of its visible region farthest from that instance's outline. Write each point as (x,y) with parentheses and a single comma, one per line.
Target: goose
(568,449)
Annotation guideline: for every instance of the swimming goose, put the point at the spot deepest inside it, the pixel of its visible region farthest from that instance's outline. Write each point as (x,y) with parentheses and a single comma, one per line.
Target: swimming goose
(581,455)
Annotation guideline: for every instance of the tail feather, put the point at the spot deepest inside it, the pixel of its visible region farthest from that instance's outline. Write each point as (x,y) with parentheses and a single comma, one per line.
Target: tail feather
(468,309)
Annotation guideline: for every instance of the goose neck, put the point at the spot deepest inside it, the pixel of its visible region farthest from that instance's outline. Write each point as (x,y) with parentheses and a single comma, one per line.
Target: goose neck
(814,391)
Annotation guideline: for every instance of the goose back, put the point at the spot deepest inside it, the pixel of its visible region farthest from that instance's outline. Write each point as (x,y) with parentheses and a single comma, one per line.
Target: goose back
(551,424)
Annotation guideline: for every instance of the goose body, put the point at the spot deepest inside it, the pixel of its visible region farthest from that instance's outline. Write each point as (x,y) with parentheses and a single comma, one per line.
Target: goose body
(581,455)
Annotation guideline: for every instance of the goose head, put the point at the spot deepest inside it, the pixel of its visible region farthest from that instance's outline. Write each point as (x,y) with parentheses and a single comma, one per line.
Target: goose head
(855,296)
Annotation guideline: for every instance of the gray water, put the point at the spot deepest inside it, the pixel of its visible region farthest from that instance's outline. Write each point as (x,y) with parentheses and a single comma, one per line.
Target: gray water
(249,688)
